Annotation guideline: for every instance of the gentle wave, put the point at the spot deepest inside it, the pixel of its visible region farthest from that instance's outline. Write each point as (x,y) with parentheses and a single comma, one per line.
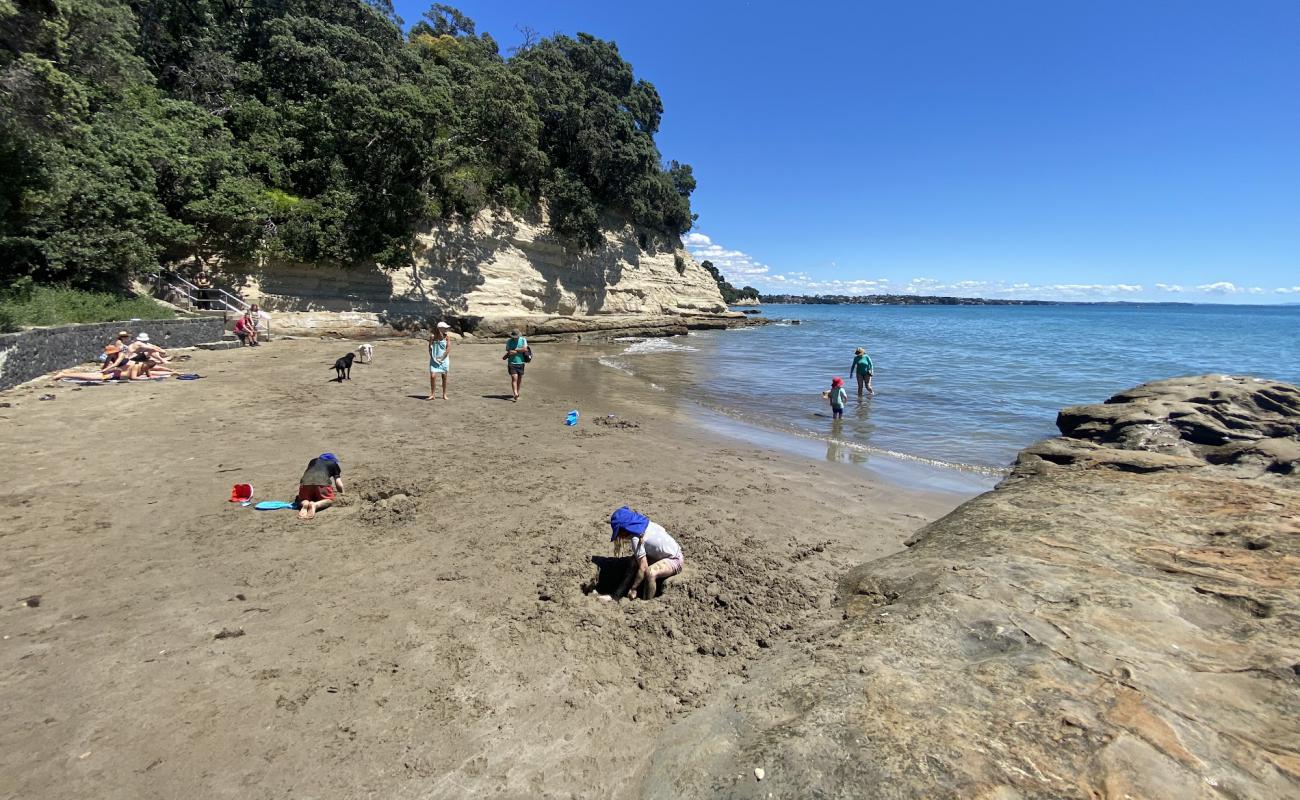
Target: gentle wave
(616,364)
(645,346)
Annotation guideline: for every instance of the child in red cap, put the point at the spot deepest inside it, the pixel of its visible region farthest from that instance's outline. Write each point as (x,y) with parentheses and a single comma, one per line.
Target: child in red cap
(838,397)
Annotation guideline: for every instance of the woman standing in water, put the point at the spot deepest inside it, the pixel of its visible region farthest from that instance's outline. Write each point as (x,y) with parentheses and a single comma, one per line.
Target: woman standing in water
(439,358)
(862,369)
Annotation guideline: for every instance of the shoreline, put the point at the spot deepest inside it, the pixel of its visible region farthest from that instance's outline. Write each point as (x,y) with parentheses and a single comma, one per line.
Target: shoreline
(430,633)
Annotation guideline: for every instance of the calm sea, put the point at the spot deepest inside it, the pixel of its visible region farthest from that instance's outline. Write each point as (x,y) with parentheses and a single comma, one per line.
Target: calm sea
(957,387)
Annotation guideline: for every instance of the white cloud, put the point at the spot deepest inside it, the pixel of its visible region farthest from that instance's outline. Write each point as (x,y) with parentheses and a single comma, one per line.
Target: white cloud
(1220,287)
(738,267)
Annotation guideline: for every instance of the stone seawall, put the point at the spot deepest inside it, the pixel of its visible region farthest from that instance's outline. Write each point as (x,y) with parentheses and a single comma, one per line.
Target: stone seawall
(31,354)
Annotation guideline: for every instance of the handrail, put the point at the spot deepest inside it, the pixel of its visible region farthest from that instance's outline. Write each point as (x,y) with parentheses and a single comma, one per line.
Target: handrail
(239,304)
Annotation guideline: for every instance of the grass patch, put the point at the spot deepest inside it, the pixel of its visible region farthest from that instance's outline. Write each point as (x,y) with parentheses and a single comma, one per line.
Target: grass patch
(52,305)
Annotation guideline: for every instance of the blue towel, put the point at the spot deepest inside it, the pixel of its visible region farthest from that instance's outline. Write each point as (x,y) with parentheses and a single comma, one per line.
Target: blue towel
(272,505)
(189,376)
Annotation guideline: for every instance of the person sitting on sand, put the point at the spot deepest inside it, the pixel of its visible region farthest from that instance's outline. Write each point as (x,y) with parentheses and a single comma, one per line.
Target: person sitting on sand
(653,556)
(318,484)
(516,358)
(114,357)
(246,330)
(439,358)
(146,352)
(838,397)
(862,368)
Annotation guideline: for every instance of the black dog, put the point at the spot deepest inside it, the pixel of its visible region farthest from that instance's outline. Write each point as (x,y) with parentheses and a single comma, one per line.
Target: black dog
(344,368)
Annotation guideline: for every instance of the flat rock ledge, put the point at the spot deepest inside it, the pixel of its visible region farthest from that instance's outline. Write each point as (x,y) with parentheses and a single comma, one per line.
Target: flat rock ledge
(375,325)
(1119,618)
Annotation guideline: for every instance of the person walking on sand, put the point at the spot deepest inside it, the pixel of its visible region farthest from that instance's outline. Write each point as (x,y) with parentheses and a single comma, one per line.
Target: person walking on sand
(838,396)
(652,554)
(439,358)
(517,355)
(862,369)
(316,488)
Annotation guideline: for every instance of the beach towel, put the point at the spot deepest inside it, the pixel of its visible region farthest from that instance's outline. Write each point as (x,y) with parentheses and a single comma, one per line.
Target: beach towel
(189,376)
(272,505)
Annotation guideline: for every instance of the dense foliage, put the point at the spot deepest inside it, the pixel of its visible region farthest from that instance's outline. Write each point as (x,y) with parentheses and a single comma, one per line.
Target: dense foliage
(134,132)
(730,294)
(26,304)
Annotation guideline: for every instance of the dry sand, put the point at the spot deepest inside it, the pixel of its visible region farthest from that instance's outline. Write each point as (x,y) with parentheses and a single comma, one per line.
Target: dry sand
(428,637)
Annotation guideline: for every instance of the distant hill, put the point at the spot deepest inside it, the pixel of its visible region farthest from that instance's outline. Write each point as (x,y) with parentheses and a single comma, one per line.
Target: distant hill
(897,300)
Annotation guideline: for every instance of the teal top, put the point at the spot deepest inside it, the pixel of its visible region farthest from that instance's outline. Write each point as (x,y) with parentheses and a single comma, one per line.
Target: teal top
(861,365)
(839,397)
(516,344)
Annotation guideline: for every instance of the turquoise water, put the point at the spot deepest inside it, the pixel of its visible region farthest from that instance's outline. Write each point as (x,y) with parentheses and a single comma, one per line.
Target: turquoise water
(963,387)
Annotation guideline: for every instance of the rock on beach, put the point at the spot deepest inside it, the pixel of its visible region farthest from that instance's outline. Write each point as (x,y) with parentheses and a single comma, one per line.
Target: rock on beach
(1116,619)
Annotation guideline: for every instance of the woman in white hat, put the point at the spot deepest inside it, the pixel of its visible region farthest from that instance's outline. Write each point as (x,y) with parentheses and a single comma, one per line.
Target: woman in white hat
(439,358)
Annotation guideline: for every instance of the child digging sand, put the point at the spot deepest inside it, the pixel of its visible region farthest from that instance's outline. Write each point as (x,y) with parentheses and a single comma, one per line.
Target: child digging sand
(318,484)
(838,397)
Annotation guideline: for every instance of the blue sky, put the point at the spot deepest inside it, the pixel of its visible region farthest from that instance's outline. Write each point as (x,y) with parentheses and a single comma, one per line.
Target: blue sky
(1009,148)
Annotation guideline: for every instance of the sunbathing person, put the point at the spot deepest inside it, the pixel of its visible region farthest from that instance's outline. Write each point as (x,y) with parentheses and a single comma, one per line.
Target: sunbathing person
(129,373)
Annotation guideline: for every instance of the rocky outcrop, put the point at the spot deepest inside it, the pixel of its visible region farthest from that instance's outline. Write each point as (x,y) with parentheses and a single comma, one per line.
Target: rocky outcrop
(493,267)
(364,325)
(1119,618)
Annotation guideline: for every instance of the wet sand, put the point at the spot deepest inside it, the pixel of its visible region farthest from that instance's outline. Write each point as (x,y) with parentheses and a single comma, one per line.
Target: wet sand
(428,637)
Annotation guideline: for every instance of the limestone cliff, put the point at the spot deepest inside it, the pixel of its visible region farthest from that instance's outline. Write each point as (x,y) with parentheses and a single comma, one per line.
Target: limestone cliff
(496,267)
(1118,619)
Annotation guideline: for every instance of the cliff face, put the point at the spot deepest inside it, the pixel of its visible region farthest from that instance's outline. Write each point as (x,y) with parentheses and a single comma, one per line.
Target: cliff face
(1117,619)
(496,266)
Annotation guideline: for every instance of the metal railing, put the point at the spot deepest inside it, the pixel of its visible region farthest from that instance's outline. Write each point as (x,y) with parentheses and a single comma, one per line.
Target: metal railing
(203,298)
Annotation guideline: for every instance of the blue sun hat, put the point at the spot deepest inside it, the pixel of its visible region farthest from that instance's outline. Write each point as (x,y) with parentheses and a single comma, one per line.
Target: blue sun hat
(329,457)
(625,519)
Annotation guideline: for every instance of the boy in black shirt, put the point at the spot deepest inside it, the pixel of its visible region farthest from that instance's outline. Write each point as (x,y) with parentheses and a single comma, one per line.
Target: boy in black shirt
(318,484)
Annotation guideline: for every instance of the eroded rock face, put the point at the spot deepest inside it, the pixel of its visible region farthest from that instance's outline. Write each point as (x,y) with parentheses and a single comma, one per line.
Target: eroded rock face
(493,266)
(1117,619)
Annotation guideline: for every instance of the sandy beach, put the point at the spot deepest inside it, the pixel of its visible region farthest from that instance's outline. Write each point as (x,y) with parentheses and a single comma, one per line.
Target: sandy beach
(428,637)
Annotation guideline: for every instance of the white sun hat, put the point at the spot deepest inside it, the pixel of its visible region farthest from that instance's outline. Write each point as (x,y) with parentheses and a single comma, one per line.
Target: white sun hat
(444,325)
(142,337)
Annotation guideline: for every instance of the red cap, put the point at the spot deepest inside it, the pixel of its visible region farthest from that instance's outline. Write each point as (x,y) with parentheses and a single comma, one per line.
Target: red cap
(837,381)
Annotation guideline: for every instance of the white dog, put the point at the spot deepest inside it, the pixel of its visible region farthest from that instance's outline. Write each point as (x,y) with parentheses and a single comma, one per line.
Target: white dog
(367,352)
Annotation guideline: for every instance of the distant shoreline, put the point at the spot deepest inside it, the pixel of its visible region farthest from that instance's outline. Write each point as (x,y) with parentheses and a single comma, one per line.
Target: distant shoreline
(936,300)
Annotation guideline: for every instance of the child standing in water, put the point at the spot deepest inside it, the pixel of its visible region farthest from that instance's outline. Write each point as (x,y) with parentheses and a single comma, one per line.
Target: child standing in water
(838,397)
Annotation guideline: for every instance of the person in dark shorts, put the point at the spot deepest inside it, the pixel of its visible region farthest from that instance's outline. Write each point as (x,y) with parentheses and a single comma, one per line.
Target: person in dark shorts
(862,368)
(318,484)
(516,359)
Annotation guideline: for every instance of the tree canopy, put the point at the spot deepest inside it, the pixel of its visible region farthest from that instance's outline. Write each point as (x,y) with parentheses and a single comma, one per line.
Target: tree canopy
(135,132)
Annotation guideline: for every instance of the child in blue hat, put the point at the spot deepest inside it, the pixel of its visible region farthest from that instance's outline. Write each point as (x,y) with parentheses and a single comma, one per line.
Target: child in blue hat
(653,554)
